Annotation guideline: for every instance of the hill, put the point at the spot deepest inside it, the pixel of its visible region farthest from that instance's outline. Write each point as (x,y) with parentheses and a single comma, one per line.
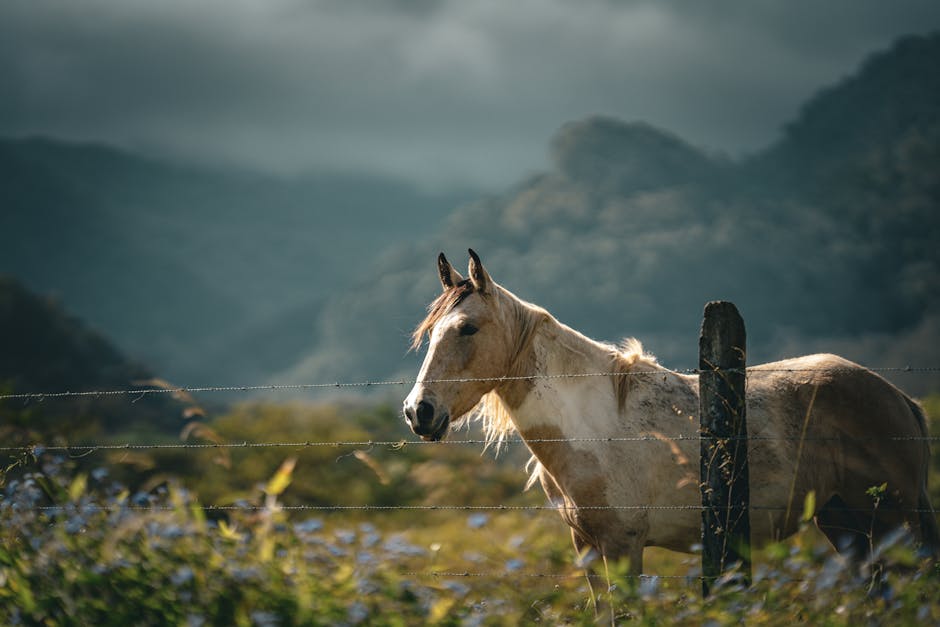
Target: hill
(45,349)
(193,269)
(827,240)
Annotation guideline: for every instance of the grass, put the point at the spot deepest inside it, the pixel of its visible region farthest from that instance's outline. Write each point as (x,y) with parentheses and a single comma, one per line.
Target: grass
(110,542)
(84,550)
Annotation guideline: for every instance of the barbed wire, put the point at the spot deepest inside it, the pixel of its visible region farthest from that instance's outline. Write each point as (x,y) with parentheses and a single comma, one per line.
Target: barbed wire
(275,387)
(90,508)
(38,448)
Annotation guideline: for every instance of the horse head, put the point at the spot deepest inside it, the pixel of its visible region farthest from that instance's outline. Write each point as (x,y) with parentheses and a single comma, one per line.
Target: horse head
(469,349)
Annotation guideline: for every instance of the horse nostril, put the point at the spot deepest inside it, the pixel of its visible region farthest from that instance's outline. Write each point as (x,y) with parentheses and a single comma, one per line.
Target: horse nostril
(410,416)
(425,412)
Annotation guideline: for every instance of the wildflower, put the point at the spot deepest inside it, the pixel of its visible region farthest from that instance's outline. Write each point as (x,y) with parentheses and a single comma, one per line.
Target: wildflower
(171,532)
(182,576)
(476,521)
(397,545)
(311,525)
(357,613)
(514,564)
(75,524)
(346,537)
(457,588)
(648,586)
(264,619)
(244,575)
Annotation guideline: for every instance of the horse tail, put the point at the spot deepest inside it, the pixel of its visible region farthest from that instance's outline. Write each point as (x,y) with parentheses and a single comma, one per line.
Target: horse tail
(929,530)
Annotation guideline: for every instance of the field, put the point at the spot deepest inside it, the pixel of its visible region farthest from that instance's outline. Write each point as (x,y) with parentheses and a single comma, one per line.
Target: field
(381,534)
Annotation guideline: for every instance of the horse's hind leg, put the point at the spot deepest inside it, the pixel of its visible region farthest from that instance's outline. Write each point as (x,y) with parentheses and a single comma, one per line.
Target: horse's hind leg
(929,530)
(849,531)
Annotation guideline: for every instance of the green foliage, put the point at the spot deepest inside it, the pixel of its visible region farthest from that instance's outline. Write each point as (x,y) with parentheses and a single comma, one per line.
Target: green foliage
(97,540)
(83,550)
(405,473)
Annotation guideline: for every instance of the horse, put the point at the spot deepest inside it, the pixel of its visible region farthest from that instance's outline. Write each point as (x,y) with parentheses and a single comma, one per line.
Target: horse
(614,436)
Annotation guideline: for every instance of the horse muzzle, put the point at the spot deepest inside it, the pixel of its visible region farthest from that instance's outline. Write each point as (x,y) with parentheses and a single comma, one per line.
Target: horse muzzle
(425,421)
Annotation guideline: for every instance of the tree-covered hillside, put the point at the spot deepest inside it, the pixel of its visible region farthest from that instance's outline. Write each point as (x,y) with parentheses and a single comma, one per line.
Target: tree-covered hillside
(209,275)
(44,349)
(827,240)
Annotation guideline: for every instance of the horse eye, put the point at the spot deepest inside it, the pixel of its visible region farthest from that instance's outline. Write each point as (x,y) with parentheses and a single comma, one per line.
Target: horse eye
(468,329)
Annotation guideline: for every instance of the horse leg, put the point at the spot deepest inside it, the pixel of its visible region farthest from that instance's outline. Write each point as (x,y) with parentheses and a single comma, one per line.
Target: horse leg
(847,530)
(929,531)
(856,530)
(635,555)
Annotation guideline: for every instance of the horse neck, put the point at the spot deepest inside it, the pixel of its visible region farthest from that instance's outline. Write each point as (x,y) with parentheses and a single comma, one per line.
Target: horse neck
(550,389)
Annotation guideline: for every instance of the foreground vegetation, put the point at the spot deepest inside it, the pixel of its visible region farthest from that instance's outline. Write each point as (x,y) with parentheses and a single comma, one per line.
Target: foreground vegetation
(254,537)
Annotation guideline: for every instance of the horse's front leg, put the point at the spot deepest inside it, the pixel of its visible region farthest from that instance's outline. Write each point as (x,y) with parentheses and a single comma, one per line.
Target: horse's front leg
(635,555)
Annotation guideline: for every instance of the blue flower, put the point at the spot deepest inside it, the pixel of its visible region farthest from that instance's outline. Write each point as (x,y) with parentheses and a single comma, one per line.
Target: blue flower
(243,575)
(457,588)
(649,586)
(476,521)
(265,619)
(357,612)
(346,537)
(311,525)
(75,525)
(182,576)
(397,544)
(514,564)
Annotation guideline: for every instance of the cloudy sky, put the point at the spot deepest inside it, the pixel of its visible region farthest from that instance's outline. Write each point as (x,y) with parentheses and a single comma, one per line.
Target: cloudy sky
(438,92)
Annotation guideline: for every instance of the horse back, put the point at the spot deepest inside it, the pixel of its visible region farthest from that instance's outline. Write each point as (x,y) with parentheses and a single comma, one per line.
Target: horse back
(824,424)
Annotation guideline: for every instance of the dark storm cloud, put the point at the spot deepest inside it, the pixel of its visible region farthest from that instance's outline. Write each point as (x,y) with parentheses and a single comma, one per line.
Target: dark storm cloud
(432,90)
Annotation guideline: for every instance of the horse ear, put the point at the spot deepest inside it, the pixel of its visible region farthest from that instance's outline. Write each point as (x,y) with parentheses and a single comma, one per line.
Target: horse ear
(478,274)
(449,276)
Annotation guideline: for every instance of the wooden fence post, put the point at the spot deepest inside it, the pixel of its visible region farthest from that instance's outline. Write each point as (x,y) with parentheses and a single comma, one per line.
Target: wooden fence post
(726,527)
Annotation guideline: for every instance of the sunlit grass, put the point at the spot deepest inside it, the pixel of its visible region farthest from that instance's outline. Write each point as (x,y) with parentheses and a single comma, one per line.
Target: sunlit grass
(79,545)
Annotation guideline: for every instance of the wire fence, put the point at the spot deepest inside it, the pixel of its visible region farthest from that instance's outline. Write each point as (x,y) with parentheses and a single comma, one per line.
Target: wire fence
(401,444)
(136,393)
(457,508)
(276,387)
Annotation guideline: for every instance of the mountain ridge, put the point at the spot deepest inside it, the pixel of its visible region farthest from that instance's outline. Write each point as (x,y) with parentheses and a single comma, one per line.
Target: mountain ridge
(615,244)
(827,240)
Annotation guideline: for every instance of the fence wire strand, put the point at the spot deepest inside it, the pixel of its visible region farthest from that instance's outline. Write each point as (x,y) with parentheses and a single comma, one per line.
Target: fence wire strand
(89,508)
(39,448)
(275,387)
(139,392)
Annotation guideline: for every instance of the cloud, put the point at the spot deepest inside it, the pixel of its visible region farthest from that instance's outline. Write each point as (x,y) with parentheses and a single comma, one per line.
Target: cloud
(434,91)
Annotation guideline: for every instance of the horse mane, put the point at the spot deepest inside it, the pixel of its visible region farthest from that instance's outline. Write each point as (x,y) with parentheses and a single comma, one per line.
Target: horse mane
(449,298)
(492,413)
(624,358)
